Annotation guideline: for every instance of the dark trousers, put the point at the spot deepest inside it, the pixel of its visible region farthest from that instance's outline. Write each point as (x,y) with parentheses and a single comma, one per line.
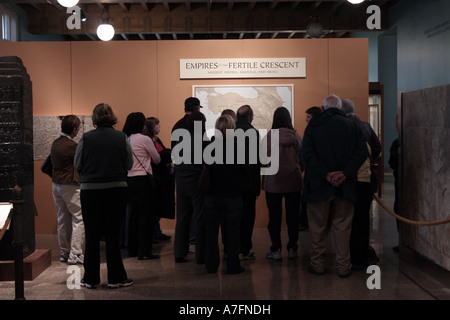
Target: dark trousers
(189,207)
(275,205)
(247,221)
(103,211)
(360,236)
(303,214)
(141,216)
(225,211)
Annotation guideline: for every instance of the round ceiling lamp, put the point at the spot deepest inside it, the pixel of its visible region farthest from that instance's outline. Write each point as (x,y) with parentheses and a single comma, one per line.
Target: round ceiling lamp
(314,30)
(105,31)
(68,3)
(355,1)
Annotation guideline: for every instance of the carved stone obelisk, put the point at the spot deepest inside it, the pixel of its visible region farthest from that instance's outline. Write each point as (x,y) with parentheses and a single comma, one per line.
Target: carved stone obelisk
(16,142)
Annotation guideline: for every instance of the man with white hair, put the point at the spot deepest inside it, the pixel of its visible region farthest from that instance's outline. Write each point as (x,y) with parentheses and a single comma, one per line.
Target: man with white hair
(333,149)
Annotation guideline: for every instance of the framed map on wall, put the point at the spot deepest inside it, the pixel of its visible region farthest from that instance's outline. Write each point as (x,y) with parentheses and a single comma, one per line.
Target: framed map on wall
(263,99)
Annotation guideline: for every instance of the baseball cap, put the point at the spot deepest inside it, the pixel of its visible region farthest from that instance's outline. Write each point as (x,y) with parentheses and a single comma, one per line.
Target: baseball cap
(191,104)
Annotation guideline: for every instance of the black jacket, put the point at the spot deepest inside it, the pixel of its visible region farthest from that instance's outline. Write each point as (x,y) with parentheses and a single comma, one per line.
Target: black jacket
(332,142)
(252,175)
(372,140)
(104,156)
(226,179)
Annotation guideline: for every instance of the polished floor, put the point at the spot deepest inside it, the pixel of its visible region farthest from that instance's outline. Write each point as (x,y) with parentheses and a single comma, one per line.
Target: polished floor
(403,276)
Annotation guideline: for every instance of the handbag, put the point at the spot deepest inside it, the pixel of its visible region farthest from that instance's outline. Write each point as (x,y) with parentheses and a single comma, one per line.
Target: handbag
(150,178)
(47,166)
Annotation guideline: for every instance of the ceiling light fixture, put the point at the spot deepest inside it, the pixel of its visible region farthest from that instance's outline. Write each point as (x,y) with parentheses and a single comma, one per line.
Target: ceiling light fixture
(68,3)
(314,29)
(105,31)
(355,1)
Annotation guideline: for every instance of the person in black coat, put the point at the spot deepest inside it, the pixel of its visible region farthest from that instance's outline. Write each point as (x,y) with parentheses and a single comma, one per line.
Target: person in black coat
(189,198)
(393,164)
(333,149)
(348,107)
(223,202)
(252,182)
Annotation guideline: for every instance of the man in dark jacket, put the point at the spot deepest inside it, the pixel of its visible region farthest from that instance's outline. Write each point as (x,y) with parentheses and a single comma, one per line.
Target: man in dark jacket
(333,149)
(189,198)
(252,182)
(372,139)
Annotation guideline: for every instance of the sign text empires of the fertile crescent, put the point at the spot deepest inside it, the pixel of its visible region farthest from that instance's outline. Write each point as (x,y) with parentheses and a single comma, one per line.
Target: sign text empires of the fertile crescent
(243,68)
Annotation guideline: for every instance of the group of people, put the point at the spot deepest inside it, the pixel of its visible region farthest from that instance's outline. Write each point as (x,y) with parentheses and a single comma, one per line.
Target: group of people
(110,180)
(325,180)
(226,198)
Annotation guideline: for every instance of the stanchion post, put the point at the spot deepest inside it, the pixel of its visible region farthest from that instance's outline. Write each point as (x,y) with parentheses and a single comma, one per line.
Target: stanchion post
(17,203)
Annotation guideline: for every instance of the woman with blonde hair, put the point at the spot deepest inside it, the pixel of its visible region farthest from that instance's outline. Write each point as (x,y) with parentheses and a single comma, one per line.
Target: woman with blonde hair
(223,204)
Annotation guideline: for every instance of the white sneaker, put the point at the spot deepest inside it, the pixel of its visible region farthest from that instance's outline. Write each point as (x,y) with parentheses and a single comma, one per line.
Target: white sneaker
(75,258)
(125,283)
(249,256)
(274,255)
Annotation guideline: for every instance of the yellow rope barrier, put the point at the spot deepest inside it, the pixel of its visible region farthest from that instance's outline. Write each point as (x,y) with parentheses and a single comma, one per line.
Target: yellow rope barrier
(427,223)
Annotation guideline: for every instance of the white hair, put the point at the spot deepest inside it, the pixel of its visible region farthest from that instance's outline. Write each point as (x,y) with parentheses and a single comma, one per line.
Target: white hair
(348,106)
(332,101)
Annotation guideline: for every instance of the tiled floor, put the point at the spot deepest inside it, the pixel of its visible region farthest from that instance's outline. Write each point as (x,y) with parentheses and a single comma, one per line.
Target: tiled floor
(403,277)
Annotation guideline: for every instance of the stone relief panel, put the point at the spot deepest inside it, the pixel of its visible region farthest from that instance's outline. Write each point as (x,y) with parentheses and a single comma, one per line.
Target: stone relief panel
(425,183)
(47,129)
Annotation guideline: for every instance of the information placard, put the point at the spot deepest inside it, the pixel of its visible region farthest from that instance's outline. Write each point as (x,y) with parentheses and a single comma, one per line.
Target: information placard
(243,68)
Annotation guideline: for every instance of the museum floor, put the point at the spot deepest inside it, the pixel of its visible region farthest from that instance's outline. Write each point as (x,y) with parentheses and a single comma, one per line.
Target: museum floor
(403,277)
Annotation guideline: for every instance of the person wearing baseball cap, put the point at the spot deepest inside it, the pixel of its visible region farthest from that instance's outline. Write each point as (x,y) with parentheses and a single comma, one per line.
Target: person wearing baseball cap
(189,198)
(192,104)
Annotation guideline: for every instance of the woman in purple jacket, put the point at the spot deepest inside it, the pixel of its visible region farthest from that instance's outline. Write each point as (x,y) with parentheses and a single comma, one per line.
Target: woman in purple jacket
(286,183)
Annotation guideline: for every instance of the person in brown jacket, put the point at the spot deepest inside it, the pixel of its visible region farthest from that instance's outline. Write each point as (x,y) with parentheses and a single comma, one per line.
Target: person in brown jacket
(66,192)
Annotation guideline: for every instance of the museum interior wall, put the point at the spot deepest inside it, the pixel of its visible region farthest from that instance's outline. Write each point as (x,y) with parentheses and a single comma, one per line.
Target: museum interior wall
(73,77)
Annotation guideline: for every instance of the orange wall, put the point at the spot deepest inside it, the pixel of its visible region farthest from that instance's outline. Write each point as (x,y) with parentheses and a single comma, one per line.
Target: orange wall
(72,77)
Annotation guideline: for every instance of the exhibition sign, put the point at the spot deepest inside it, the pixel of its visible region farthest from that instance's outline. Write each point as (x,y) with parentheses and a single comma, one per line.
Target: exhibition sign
(243,68)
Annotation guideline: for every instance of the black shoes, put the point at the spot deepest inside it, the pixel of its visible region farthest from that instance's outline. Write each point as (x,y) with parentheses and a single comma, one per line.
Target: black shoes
(314,271)
(148,257)
(164,237)
(125,283)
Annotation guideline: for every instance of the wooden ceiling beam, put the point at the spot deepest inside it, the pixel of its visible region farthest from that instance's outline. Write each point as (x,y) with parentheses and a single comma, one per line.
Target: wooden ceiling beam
(125,6)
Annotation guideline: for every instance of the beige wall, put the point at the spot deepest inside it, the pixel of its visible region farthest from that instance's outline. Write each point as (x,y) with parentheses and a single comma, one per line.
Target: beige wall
(72,77)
